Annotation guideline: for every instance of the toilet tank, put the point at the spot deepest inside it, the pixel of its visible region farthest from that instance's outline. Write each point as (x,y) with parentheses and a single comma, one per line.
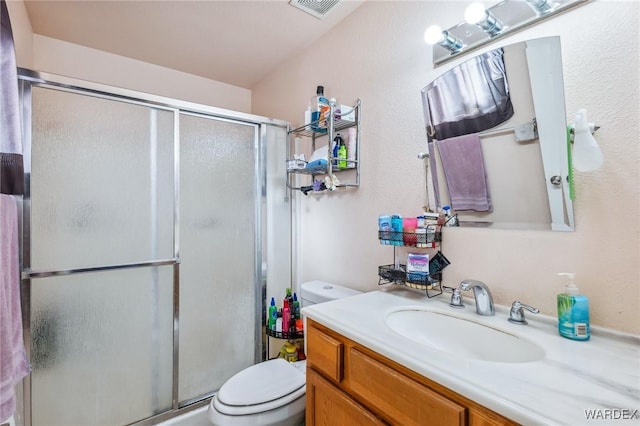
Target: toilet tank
(312,292)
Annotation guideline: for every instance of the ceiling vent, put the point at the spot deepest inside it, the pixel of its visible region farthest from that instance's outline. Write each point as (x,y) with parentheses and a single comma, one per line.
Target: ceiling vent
(317,8)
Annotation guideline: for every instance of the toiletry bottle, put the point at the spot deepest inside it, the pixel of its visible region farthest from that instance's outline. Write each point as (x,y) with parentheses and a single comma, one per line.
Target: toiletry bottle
(573,311)
(289,297)
(296,307)
(342,155)
(335,149)
(286,316)
(421,231)
(384,226)
(396,227)
(318,102)
(449,218)
(273,315)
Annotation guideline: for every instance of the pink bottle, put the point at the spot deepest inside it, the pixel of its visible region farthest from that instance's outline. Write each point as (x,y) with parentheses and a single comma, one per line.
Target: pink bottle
(286,317)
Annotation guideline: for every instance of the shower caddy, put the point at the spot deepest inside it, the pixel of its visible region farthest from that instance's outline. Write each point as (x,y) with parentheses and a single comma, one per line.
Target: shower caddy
(349,175)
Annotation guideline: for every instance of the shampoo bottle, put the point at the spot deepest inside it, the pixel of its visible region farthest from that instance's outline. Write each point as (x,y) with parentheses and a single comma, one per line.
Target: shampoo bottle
(573,311)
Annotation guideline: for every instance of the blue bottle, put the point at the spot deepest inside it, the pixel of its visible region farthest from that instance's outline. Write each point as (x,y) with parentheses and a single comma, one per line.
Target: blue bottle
(335,153)
(396,227)
(384,226)
(318,104)
(573,312)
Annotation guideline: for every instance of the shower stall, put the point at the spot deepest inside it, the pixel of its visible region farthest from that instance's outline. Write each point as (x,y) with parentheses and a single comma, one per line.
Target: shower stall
(150,230)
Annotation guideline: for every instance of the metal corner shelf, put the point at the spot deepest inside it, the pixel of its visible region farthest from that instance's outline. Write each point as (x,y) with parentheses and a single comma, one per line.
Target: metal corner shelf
(314,134)
(285,334)
(397,273)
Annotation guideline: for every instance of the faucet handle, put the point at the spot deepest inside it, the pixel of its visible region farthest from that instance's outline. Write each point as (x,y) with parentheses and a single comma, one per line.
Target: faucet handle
(516,314)
(456,298)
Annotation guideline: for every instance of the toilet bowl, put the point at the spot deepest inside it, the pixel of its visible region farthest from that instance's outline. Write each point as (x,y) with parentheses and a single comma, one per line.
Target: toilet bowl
(271,393)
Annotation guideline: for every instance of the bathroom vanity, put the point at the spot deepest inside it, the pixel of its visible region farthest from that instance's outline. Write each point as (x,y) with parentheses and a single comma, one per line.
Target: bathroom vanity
(350,384)
(362,370)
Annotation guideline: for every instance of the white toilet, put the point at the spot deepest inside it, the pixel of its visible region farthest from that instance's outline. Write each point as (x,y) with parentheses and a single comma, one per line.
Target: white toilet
(271,393)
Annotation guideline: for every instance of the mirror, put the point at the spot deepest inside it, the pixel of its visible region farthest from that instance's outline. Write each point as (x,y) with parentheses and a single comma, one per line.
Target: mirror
(522,145)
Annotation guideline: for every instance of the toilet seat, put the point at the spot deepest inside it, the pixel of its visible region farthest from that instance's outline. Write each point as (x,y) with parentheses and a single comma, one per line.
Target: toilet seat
(264,386)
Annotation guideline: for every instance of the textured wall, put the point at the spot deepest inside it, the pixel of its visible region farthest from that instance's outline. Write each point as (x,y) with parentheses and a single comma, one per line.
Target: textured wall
(378,54)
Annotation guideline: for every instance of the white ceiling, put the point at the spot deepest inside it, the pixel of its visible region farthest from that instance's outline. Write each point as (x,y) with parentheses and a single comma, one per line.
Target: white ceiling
(238,42)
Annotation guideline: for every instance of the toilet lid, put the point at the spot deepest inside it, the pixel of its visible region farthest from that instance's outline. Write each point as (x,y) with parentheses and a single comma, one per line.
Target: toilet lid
(264,386)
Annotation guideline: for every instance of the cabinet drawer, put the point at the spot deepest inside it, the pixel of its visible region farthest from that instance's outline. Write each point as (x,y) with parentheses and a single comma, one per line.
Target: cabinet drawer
(329,406)
(325,353)
(398,398)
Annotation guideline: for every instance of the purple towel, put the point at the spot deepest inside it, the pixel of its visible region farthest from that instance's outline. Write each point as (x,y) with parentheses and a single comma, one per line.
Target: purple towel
(13,360)
(463,166)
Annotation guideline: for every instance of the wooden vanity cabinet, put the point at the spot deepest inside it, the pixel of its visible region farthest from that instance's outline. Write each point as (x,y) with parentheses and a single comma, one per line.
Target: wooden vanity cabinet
(348,384)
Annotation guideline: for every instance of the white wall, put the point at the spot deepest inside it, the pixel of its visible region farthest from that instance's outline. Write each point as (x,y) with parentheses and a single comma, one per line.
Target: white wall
(72,60)
(22,33)
(46,54)
(378,54)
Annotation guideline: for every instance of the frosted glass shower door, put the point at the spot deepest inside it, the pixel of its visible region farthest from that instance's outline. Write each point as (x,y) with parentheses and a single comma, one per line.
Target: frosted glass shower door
(218,240)
(99,252)
(102,181)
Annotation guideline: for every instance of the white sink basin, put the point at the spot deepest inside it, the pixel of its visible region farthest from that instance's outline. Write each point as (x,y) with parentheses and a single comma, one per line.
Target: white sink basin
(462,337)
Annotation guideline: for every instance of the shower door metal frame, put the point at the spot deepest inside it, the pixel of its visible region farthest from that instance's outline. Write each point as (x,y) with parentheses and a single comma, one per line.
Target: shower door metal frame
(28,79)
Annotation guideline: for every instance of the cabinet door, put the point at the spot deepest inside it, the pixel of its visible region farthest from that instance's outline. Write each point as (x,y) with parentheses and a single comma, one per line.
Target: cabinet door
(329,406)
(324,353)
(402,400)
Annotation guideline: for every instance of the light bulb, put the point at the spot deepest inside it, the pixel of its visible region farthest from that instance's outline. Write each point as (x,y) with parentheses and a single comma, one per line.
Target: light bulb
(474,13)
(433,35)
(542,7)
(587,155)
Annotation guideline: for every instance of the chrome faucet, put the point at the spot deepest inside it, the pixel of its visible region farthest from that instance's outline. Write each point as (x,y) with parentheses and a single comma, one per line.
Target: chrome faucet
(482,295)
(516,314)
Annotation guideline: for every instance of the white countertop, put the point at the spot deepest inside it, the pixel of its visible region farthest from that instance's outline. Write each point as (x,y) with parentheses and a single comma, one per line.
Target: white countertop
(573,379)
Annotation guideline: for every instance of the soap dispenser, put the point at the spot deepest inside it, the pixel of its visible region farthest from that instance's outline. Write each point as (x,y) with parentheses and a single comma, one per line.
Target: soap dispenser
(573,311)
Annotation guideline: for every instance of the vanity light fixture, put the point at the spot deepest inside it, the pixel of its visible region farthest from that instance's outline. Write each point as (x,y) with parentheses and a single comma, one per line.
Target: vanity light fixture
(483,25)
(434,34)
(587,155)
(542,7)
(477,14)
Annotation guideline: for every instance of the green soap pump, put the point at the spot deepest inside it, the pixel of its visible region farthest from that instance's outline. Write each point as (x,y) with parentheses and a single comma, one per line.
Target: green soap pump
(573,311)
